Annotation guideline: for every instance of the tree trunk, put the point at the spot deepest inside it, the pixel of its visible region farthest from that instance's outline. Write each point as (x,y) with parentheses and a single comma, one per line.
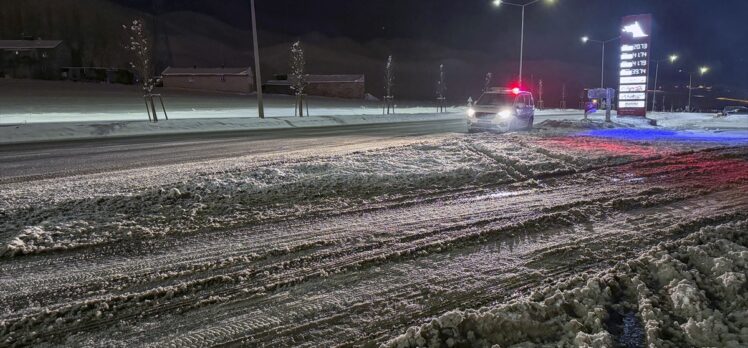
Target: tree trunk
(153,109)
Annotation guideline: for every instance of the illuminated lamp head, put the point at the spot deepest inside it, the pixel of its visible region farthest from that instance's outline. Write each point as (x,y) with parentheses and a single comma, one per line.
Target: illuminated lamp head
(516,90)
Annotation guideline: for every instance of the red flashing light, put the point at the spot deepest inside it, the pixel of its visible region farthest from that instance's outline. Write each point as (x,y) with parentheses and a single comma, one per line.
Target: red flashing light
(516,90)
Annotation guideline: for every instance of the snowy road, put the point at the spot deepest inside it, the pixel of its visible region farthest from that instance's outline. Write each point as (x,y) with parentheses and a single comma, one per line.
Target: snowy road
(44,160)
(346,241)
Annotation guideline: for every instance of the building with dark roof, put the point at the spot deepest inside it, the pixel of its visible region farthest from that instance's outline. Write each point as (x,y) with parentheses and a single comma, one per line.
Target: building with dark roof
(37,59)
(222,80)
(334,86)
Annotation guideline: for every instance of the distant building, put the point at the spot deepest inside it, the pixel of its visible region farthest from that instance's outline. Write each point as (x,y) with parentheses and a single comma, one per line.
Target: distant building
(98,74)
(32,59)
(334,86)
(223,80)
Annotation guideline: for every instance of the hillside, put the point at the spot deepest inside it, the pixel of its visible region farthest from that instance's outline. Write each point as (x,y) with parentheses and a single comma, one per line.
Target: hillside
(193,39)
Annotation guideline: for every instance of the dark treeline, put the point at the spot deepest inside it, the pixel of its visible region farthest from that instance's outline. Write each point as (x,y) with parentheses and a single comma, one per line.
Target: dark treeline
(91,29)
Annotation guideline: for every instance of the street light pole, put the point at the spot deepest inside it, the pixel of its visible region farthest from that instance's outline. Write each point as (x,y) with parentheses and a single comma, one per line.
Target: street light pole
(602,71)
(586,39)
(522,45)
(702,70)
(498,3)
(690,88)
(672,59)
(258,77)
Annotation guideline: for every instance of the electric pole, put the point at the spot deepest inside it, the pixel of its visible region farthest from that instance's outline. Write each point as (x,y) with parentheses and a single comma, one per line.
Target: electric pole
(258,77)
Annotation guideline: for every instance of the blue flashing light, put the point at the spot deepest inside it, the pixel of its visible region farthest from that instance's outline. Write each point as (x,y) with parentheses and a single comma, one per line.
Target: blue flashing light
(667,135)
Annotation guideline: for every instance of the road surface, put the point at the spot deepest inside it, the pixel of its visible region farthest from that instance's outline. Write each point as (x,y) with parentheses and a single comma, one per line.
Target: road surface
(348,240)
(48,160)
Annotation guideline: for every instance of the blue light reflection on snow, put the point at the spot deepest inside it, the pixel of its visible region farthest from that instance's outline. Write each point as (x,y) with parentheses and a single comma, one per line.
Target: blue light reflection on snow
(668,135)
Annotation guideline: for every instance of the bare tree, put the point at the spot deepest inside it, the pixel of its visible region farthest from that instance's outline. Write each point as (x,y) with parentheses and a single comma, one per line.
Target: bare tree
(140,47)
(389,82)
(441,90)
(298,77)
(487,82)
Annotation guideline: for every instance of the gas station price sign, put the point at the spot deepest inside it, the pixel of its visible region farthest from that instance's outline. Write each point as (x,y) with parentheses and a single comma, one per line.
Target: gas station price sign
(634,72)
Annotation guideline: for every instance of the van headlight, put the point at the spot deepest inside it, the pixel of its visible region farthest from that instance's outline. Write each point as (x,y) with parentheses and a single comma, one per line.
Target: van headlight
(505,114)
(471,112)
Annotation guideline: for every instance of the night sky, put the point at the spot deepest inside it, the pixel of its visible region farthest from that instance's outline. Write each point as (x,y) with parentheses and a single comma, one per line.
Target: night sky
(712,33)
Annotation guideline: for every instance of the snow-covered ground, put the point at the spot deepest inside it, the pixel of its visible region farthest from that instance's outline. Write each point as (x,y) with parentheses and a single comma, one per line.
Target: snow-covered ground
(103,116)
(579,233)
(76,126)
(42,110)
(28,102)
(352,246)
(686,293)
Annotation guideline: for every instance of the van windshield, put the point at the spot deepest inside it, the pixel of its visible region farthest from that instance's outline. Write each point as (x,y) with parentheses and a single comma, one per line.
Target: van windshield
(496,99)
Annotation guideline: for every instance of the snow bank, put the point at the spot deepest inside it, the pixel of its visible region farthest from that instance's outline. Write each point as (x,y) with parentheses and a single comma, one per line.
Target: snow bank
(673,121)
(680,294)
(683,120)
(34,132)
(103,115)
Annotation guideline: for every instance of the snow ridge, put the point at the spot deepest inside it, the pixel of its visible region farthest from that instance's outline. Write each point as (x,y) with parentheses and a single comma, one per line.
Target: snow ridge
(689,292)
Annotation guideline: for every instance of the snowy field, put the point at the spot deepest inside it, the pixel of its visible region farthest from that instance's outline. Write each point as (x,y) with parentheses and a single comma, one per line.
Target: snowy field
(33,111)
(26,101)
(578,233)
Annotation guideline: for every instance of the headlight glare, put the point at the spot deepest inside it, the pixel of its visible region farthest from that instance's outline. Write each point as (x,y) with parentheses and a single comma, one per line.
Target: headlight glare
(505,114)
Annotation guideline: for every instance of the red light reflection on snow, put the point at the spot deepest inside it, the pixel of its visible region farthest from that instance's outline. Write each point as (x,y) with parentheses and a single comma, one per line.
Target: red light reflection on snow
(667,165)
(606,147)
(699,170)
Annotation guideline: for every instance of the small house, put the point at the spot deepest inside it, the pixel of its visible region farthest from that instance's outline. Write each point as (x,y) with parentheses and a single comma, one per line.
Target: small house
(32,59)
(333,86)
(220,80)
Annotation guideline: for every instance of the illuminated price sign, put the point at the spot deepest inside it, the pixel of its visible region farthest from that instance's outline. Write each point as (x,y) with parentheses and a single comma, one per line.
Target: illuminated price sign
(635,47)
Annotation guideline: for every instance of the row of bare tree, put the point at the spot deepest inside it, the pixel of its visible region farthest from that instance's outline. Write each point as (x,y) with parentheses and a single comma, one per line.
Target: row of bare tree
(139,45)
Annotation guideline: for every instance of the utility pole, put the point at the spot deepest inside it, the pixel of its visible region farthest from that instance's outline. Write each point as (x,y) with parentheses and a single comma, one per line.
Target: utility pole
(258,76)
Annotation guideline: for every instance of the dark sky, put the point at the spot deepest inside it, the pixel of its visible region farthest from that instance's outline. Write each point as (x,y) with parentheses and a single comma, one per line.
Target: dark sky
(703,32)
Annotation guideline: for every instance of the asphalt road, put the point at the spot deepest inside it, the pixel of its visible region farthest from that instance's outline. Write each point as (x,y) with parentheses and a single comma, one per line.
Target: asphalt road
(26,162)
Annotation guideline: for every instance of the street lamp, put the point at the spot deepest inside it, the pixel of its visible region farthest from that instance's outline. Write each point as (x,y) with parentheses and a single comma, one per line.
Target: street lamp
(702,70)
(498,3)
(672,58)
(586,39)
